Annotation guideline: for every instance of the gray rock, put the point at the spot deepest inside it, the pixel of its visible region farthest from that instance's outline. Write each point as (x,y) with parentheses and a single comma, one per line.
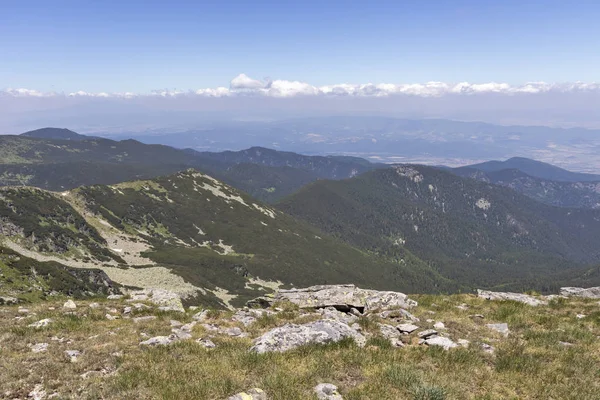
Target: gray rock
(566,344)
(159,341)
(209,344)
(70,305)
(111,317)
(41,323)
(463,306)
(580,316)
(23,310)
(439,325)
(144,318)
(407,328)
(164,299)
(252,394)
(235,331)
(38,393)
(427,333)
(590,293)
(463,342)
(200,316)
(94,305)
(8,300)
(290,336)
(72,354)
(327,391)
(476,316)
(333,313)
(440,341)
(114,297)
(487,348)
(520,297)
(343,297)
(248,316)
(399,314)
(500,328)
(389,331)
(39,347)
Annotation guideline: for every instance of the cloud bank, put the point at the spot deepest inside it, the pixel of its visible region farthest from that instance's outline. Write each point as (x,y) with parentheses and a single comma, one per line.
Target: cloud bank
(243,85)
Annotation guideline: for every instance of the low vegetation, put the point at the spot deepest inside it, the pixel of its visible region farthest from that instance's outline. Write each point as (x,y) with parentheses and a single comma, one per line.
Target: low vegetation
(551,352)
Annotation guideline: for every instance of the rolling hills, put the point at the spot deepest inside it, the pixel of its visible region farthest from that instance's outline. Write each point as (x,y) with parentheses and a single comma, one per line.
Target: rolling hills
(194,235)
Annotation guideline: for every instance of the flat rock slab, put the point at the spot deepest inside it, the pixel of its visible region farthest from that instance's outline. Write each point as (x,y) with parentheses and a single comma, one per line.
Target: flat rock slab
(407,328)
(327,391)
(519,297)
(500,328)
(590,293)
(291,336)
(427,333)
(443,342)
(342,297)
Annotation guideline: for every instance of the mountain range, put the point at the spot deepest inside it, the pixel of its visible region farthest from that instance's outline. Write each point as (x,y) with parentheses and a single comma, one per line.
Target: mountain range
(199,223)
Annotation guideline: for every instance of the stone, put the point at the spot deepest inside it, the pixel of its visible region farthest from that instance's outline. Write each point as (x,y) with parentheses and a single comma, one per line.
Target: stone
(127,310)
(463,306)
(342,297)
(39,347)
(398,314)
(333,313)
(94,305)
(23,310)
(407,328)
(164,299)
(235,331)
(209,344)
(590,293)
(72,354)
(8,300)
(38,392)
(175,324)
(443,342)
(327,391)
(252,394)
(519,297)
(111,317)
(439,325)
(566,344)
(159,341)
(41,323)
(463,342)
(201,316)
(487,348)
(580,316)
(426,333)
(144,318)
(114,297)
(248,316)
(389,331)
(291,336)
(70,305)
(476,316)
(500,328)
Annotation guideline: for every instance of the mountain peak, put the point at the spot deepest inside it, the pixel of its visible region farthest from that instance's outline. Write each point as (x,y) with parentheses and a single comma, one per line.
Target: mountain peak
(55,133)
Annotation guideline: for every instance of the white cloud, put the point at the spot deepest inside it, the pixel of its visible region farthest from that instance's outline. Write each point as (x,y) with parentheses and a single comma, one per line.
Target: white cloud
(243,85)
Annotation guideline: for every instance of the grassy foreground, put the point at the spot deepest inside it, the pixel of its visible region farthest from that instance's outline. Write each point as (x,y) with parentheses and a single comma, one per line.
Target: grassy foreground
(551,353)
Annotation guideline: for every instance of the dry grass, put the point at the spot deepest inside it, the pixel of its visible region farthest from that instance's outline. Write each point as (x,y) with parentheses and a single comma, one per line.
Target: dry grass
(530,363)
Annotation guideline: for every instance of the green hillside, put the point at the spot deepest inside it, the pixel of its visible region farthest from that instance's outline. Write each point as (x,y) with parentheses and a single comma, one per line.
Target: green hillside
(472,232)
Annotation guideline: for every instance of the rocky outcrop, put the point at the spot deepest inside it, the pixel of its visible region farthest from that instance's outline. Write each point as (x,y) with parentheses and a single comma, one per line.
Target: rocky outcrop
(291,336)
(590,293)
(164,299)
(341,297)
(519,297)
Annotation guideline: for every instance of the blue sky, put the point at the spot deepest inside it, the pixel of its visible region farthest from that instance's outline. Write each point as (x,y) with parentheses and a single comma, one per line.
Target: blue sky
(138,46)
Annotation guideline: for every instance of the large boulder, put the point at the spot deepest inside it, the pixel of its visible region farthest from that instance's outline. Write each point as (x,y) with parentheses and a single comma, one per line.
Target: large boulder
(519,297)
(590,293)
(341,297)
(290,336)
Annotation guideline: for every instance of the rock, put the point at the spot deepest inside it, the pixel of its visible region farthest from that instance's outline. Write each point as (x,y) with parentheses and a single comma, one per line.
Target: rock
(333,313)
(590,293)
(440,341)
(290,336)
(427,333)
(248,316)
(111,317)
(159,341)
(487,348)
(398,314)
(70,305)
(500,328)
(201,316)
(38,393)
(342,297)
(520,297)
(388,331)
(463,342)
(476,316)
(127,310)
(580,316)
(355,312)
(327,391)
(94,305)
(209,344)
(164,299)
(463,306)
(8,300)
(72,354)
(114,297)
(175,324)
(566,344)
(39,347)
(22,310)
(41,323)
(439,325)
(184,332)
(252,394)
(407,328)
(144,318)
(235,331)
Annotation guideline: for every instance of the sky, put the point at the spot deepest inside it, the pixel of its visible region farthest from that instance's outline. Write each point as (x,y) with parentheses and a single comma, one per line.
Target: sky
(142,46)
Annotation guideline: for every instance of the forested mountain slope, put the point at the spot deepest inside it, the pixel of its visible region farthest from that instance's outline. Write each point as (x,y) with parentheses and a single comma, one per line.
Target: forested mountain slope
(470,231)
